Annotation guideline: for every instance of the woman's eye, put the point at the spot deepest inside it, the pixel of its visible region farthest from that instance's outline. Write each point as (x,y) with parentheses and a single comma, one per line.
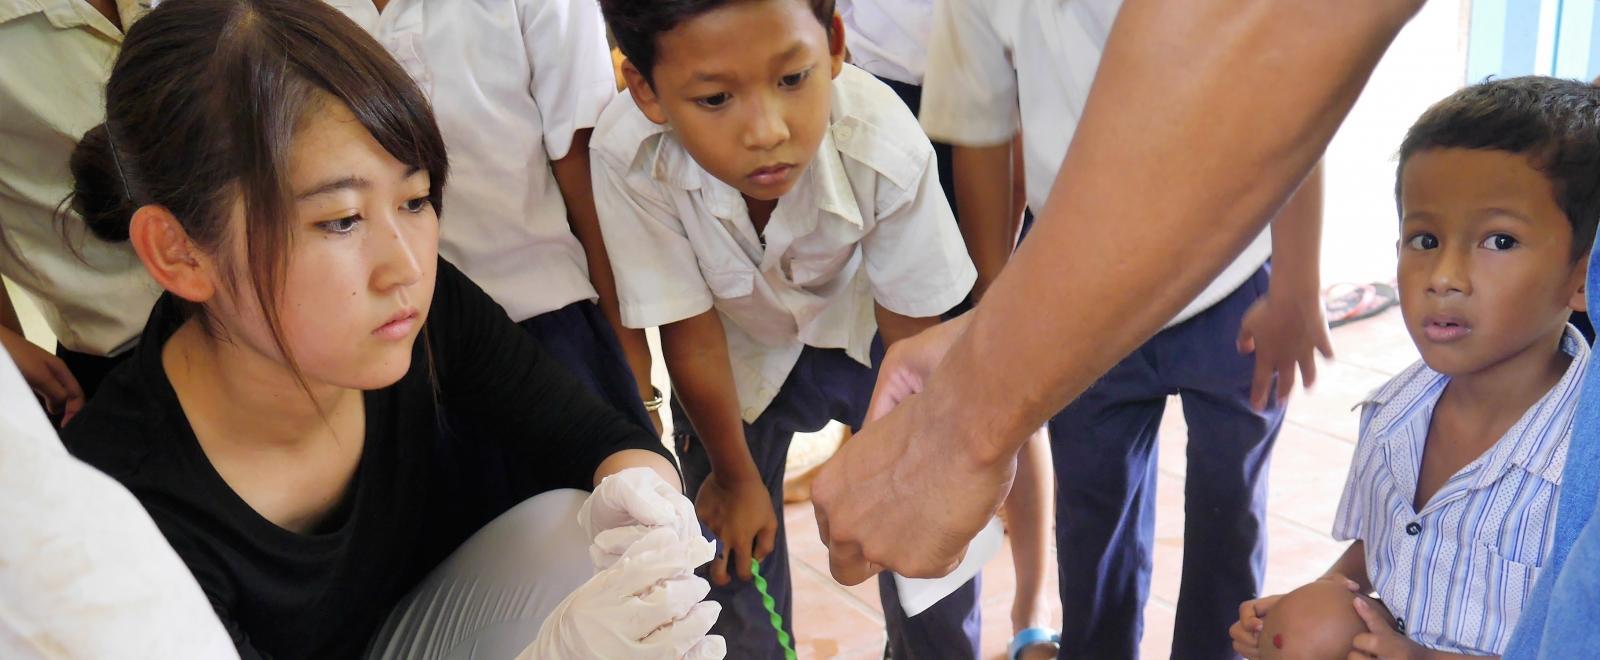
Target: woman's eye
(417,205)
(1423,242)
(340,226)
(713,101)
(794,79)
(1500,242)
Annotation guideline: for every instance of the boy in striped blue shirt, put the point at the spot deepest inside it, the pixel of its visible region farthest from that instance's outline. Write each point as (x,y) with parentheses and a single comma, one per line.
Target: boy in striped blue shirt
(1451,496)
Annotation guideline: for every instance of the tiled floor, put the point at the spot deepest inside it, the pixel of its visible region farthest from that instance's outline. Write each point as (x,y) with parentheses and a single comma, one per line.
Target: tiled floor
(1308,472)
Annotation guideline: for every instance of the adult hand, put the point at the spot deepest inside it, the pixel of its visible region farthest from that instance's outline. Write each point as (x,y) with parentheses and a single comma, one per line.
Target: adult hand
(1382,641)
(648,605)
(908,363)
(1283,330)
(907,493)
(739,512)
(46,374)
(626,506)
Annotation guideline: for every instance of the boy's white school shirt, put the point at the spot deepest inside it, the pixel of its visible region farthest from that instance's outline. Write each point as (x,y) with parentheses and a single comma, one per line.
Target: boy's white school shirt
(888,38)
(867,221)
(510,81)
(55,58)
(1459,572)
(990,59)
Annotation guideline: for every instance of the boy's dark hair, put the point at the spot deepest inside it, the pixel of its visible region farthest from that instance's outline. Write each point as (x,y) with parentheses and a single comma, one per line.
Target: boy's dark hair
(1554,122)
(201,110)
(635,24)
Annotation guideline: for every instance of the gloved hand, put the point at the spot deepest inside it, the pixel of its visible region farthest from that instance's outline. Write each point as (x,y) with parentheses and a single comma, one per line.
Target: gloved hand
(646,606)
(628,505)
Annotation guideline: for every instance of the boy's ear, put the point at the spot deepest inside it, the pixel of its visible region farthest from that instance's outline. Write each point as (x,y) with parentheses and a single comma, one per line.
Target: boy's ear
(836,48)
(643,94)
(169,256)
(1580,300)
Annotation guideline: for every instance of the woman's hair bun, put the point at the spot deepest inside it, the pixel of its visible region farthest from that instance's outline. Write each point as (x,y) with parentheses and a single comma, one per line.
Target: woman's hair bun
(100,188)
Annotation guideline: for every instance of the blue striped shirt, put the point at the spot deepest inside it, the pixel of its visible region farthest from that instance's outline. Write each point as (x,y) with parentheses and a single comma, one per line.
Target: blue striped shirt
(1458,572)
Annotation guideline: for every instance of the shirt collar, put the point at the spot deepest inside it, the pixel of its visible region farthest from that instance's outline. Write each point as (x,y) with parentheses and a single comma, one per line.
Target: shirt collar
(67,14)
(1533,443)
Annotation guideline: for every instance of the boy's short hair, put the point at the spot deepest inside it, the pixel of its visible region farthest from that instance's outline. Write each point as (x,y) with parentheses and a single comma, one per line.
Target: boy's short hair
(635,24)
(1555,122)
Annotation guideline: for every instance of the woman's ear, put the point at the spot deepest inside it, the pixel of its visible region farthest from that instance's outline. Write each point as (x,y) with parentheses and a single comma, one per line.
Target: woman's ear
(643,94)
(169,256)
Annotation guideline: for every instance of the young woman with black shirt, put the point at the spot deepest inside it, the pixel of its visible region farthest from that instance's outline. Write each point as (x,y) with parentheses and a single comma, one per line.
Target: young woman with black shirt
(322,416)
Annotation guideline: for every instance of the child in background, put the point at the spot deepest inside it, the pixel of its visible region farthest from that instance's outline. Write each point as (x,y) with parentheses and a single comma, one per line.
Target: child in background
(55,56)
(889,39)
(1451,498)
(987,59)
(516,110)
(778,213)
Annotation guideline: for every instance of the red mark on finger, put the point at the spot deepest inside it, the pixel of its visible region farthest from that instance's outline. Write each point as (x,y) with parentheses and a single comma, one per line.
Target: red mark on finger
(1277,641)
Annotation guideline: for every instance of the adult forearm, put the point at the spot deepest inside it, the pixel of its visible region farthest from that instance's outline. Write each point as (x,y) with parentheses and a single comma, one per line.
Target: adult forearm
(1179,160)
(984,204)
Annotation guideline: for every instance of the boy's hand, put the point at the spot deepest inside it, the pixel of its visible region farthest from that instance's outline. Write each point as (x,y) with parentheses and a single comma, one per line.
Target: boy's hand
(739,511)
(52,382)
(1281,331)
(1382,641)
(1245,632)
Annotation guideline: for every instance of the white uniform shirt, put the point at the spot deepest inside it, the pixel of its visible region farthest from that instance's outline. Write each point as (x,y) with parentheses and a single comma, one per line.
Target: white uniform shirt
(888,38)
(866,222)
(988,58)
(55,58)
(84,572)
(511,81)
(1458,572)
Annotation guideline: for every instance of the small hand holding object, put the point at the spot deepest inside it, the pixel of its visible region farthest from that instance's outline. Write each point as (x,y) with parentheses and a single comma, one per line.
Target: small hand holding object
(1382,641)
(626,506)
(647,605)
(739,512)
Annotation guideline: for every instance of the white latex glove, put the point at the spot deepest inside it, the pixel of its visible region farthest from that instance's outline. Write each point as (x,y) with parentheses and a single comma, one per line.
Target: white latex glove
(646,606)
(629,504)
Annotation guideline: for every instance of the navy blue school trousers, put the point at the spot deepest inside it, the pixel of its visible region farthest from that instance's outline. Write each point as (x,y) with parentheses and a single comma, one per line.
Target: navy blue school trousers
(826,384)
(1104,447)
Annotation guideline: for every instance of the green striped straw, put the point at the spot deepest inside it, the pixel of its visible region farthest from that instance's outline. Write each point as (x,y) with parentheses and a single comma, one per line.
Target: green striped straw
(772,610)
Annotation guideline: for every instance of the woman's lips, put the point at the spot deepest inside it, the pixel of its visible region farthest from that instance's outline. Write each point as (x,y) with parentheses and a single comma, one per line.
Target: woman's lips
(398,326)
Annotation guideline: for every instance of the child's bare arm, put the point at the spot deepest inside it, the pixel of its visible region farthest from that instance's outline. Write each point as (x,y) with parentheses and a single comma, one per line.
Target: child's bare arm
(733,501)
(984,202)
(1287,327)
(1353,565)
(894,327)
(577,191)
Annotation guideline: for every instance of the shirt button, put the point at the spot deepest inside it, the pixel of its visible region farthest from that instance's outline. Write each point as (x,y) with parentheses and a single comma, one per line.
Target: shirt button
(1400,622)
(1414,529)
(842,133)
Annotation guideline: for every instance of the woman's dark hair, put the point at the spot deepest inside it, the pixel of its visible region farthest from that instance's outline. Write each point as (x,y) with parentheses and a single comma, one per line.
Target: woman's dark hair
(1554,122)
(201,110)
(635,24)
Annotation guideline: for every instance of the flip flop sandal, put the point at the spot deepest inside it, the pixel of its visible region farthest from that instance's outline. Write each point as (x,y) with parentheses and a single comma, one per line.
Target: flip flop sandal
(1030,638)
(1348,303)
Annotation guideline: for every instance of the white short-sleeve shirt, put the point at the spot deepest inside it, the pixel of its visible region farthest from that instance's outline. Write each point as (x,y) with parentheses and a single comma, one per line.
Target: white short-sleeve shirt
(866,222)
(1458,573)
(510,81)
(55,58)
(84,572)
(888,38)
(988,59)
